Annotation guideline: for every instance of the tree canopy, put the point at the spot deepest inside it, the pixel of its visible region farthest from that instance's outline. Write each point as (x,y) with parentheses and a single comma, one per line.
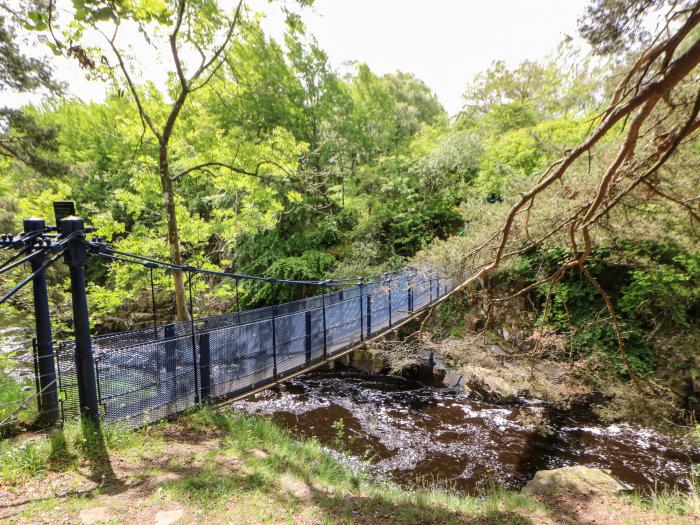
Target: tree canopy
(256,155)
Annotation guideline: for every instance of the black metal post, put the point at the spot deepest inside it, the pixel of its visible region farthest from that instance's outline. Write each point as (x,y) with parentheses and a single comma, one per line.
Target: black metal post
(153,301)
(238,304)
(389,302)
(410,296)
(37,387)
(274,333)
(430,281)
(170,347)
(369,315)
(325,339)
(195,367)
(362,312)
(76,258)
(205,366)
(307,341)
(46,369)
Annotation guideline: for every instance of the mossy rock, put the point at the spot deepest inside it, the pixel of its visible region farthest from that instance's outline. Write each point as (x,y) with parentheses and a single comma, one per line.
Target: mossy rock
(585,480)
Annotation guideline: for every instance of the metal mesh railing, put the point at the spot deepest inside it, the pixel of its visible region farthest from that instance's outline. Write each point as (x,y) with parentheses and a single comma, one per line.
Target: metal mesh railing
(144,375)
(24,390)
(147,375)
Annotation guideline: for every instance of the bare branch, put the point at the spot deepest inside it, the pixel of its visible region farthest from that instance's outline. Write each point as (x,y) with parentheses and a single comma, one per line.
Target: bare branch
(235,169)
(132,87)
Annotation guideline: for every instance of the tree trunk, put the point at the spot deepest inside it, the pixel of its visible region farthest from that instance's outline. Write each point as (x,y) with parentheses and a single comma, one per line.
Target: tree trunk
(173,235)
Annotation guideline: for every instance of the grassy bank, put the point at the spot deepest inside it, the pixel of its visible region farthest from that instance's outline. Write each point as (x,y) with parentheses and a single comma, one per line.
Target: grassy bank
(225,467)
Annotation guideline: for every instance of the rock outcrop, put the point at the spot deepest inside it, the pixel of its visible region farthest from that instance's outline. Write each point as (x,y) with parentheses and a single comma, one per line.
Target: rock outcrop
(585,480)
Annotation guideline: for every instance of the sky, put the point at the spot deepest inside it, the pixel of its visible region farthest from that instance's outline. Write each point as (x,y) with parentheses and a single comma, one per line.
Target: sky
(443,42)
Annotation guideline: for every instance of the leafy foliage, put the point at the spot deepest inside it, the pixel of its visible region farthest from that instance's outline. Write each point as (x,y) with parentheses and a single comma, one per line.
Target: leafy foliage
(659,295)
(307,173)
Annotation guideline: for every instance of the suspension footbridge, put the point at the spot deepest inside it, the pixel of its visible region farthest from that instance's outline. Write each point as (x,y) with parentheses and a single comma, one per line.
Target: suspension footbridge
(141,376)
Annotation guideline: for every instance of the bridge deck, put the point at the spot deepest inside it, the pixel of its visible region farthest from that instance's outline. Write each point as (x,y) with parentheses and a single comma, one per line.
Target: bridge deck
(147,375)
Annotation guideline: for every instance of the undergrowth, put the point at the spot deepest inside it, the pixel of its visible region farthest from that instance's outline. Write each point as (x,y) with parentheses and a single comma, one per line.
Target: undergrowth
(670,502)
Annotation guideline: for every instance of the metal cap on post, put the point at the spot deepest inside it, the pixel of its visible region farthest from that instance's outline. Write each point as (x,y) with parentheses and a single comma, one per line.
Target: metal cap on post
(47,393)
(76,258)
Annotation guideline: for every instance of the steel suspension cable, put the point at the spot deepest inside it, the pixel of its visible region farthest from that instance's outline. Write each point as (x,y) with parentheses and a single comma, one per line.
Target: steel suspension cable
(8,265)
(42,268)
(129,257)
(148,261)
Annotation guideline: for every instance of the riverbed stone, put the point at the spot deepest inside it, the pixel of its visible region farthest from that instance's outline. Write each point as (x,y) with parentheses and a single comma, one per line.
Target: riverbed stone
(439,366)
(367,361)
(452,379)
(425,357)
(483,384)
(578,478)
(555,372)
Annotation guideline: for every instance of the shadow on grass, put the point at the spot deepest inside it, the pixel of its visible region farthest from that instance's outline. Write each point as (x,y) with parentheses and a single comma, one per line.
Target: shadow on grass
(94,449)
(376,510)
(254,476)
(207,488)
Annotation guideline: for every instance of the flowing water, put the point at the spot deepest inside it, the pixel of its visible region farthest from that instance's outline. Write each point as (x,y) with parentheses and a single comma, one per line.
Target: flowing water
(415,433)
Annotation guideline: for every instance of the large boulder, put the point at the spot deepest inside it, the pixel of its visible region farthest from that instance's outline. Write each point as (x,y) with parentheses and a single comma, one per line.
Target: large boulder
(578,479)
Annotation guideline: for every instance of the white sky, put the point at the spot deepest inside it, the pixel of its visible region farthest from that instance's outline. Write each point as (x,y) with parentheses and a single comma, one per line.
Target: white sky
(443,42)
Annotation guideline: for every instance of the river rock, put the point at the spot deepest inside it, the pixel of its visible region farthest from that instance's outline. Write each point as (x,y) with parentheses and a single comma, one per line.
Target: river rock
(581,479)
(439,366)
(483,384)
(452,379)
(366,361)
(555,372)
(498,352)
(425,357)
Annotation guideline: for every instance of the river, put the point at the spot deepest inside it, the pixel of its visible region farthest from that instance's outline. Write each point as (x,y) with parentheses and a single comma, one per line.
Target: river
(420,434)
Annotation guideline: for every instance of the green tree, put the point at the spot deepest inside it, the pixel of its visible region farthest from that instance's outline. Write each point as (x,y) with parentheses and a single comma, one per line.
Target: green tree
(199,25)
(21,137)
(416,104)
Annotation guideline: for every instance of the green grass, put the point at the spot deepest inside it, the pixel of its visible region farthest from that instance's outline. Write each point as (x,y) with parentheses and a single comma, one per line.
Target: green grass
(62,448)
(339,493)
(669,502)
(252,462)
(16,402)
(209,461)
